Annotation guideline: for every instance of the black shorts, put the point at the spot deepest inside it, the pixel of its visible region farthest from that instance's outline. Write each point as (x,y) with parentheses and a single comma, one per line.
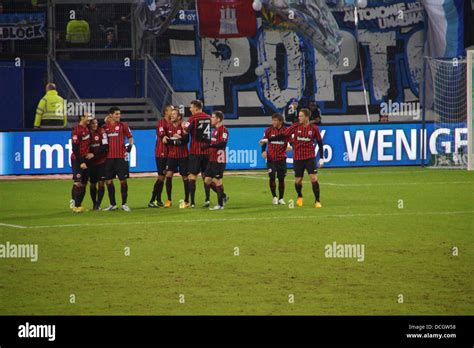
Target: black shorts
(277,168)
(178,165)
(197,164)
(96,173)
(308,164)
(215,170)
(161,165)
(116,167)
(79,174)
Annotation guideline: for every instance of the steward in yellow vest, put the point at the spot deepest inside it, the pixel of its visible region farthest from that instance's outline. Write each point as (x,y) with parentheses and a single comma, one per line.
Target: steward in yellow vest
(51,109)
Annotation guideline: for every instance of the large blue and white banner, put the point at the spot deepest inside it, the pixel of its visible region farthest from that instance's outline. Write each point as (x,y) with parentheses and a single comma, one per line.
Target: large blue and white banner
(48,152)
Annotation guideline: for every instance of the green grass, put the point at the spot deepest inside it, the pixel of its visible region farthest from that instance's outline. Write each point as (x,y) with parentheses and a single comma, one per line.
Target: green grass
(191,252)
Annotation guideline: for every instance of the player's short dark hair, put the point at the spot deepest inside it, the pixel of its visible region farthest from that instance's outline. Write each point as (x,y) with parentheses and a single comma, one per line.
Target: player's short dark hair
(197,103)
(278,116)
(218,114)
(168,107)
(306,112)
(113,109)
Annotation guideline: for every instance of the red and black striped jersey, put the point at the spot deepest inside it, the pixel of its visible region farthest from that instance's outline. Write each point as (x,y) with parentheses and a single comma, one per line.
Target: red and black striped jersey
(98,139)
(81,139)
(303,139)
(161,149)
(176,151)
(116,133)
(219,139)
(199,127)
(276,150)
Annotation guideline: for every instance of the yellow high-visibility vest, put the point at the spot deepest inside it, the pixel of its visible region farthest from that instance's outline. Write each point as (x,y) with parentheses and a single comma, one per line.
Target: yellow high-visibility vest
(51,111)
(78,32)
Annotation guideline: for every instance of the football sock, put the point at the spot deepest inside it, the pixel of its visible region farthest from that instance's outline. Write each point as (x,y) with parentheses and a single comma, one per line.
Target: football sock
(155,191)
(316,190)
(220,195)
(124,192)
(186,190)
(169,187)
(111,192)
(93,192)
(298,188)
(100,194)
(281,188)
(159,190)
(192,189)
(273,187)
(80,193)
(207,190)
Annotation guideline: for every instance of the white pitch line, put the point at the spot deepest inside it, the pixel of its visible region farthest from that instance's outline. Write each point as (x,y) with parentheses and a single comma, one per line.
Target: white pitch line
(13,226)
(378,184)
(159,222)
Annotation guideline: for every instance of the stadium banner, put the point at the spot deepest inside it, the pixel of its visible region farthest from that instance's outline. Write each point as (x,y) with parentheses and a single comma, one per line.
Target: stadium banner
(48,152)
(226,18)
(22,26)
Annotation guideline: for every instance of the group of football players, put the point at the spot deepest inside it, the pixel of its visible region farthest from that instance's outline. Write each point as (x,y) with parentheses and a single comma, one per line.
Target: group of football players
(99,155)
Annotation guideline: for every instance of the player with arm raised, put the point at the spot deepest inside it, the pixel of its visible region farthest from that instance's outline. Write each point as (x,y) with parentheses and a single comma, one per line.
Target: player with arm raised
(161,155)
(177,143)
(304,137)
(81,139)
(215,170)
(116,165)
(99,147)
(276,157)
(199,127)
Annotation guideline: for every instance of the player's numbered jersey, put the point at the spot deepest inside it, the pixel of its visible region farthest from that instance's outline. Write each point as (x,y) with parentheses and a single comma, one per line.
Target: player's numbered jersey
(199,126)
(81,137)
(220,136)
(161,149)
(98,139)
(303,139)
(276,150)
(116,133)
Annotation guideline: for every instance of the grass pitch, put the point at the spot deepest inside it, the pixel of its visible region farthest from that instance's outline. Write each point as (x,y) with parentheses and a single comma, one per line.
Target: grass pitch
(408,219)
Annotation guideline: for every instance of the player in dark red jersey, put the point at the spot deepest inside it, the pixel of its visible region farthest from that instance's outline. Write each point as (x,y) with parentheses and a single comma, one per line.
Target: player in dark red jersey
(276,157)
(161,155)
(81,139)
(99,147)
(116,165)
(217,159)
(304,136)
(177,142)
(199,127)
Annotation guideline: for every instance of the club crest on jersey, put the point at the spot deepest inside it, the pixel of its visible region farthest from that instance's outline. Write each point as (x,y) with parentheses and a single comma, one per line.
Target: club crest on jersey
(117,127)
(96,137)
(310,132)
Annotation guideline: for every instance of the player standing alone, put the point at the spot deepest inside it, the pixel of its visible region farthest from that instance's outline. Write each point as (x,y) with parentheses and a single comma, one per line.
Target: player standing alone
(116,165)
(304,137)
(81,139)
(215,170)
(199,127)
(161,154)
(177,143)
(99,147)
(276,157)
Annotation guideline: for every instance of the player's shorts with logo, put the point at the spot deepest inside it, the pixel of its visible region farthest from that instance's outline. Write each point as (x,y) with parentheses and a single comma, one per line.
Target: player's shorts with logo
(277,168)
(215,170)
(116,167)
(309,165)
(97,172)
(161,165)
(79,174)
(176,165)
(197,164)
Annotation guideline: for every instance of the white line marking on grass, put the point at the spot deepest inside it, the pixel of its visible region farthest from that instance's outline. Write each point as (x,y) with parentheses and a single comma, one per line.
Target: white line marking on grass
(159,222)
(13,226)
(379,184)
